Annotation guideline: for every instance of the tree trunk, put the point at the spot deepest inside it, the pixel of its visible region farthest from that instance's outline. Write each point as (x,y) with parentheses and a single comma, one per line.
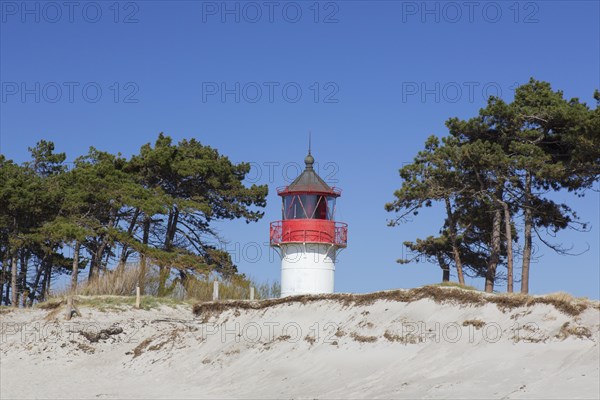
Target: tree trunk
(509,248)
(445,269)
(163,276)
(526,253)
(101,248)
(108,251)
(23,278)
(46,280)
(168,232)
(164,272)
(2,279)
(527,236)
(124,250)
(96,262)
(145,237)
(7,294)
(490,275)
(92,272)
(173,229)
(455,252)
(36,281)
(15,294)
(5,281)
(446,275)
(75,270)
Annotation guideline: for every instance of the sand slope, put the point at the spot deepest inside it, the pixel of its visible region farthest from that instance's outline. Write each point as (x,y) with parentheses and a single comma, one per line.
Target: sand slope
(321,349)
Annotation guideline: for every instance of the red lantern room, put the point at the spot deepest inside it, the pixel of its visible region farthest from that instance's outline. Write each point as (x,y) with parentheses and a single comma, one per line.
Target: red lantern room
(308,212)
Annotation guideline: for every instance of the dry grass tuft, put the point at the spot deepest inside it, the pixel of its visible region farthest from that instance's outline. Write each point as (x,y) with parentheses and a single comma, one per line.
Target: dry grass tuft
(392,337)
(567,330)
(438,294)
(310,339)
(363,339)
(449,295)
(339,333)
(104,334)
(565,306)
(478,324)
(456,285)
(108,303)
(52,304)
(563,296)
(139,349)
(408,339)
(237,288)
(196,288)
(508,301)
(562,302)
(111,283)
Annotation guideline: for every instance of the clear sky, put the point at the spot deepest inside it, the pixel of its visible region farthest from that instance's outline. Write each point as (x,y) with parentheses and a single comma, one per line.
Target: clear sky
(371,79)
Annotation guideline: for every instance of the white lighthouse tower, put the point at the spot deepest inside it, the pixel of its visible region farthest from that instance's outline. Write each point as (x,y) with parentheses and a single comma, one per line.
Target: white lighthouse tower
(308,236)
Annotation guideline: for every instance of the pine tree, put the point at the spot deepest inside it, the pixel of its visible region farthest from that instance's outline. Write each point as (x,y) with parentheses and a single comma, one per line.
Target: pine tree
(498,166)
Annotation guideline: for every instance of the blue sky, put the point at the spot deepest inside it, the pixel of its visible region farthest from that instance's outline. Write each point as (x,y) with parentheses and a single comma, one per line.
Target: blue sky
(371,79)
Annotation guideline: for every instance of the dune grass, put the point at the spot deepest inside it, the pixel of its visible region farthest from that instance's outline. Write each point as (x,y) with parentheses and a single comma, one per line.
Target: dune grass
(6,309)
(456,285)
(567,330)
(437,293)
(116,290)
(114,303)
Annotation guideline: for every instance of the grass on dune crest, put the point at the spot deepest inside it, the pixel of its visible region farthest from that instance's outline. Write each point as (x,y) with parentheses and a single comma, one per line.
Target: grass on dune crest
(442,294)
(456,285)
(113,290)
(113,302)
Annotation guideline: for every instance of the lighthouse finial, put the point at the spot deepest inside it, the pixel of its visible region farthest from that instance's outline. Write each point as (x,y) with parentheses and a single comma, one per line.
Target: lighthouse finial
(309,159)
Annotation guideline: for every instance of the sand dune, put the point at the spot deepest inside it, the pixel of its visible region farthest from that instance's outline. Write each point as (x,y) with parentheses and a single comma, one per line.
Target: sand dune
(322,348)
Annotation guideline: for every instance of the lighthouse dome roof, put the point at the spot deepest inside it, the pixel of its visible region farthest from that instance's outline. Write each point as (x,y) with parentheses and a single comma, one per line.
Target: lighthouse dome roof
(309,181)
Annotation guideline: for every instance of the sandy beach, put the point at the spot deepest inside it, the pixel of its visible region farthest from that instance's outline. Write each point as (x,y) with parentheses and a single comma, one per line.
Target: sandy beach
(319,349)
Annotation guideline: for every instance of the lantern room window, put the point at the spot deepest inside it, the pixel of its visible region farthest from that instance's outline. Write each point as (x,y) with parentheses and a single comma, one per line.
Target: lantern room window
(331,208)
(308,206)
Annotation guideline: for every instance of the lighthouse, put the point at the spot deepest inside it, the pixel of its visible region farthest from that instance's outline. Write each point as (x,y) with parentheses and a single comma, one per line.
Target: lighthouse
(308,237)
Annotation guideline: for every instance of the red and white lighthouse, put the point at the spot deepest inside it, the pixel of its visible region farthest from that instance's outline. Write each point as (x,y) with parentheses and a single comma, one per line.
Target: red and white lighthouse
(308,236)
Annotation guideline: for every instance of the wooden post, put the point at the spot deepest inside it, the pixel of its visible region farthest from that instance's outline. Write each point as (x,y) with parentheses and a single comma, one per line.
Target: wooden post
(216,291)
(251,292)
(137,297)
(71,308)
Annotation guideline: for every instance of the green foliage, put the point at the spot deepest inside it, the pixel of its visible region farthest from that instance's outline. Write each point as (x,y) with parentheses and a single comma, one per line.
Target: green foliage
(495,168)
(157,206)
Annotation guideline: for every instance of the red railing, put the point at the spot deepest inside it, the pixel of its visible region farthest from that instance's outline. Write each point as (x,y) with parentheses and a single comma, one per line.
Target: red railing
(309,231)
(284,190)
